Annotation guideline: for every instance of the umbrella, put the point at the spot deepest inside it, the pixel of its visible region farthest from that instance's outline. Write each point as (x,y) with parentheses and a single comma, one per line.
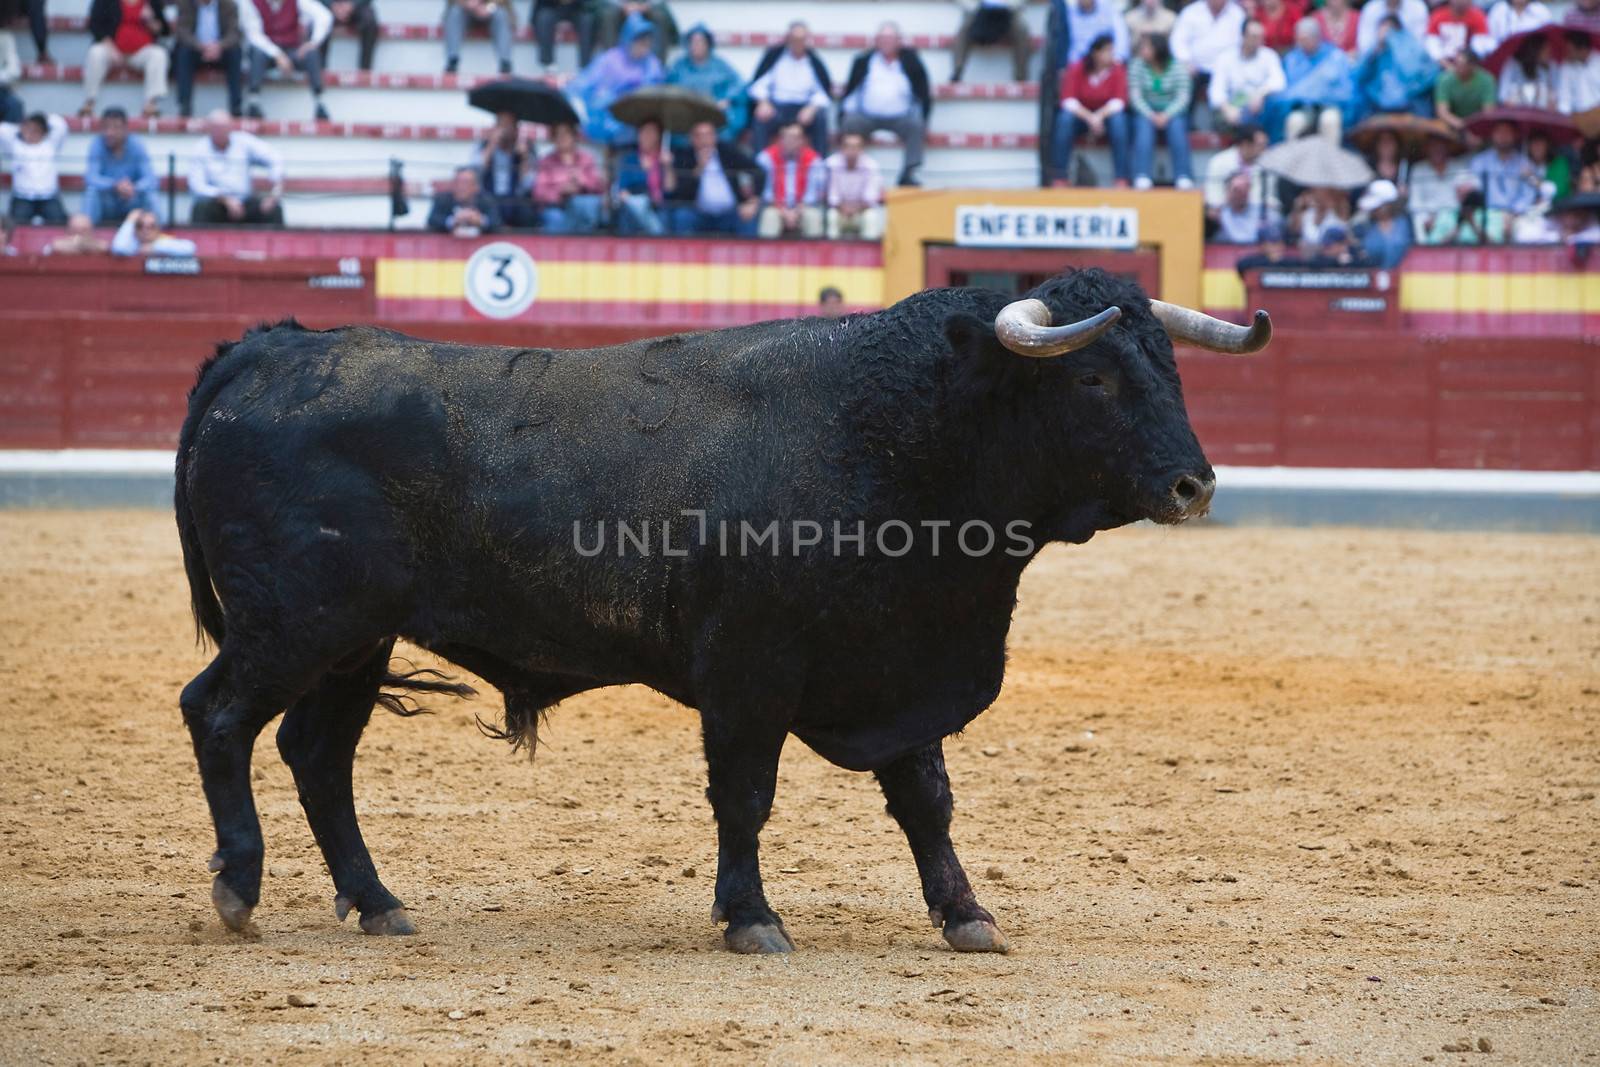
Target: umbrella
(677,109)
(1554,32)
(1560,127)
(1588,122)
(1414,133)
(1316,162)
(1577,202)
(530,101)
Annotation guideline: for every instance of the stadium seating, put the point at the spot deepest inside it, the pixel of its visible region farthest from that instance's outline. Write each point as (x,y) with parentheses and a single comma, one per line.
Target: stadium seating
(983,132)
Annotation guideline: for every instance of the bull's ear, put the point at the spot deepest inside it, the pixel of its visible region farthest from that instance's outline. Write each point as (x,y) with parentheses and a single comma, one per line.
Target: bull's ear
(979,362)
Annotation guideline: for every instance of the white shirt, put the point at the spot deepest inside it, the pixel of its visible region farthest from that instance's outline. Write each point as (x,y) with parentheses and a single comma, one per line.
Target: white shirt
(1518,90)
(1236,77)
(716,195)
(316,19)
(1578,84)
(1413,16)
(862,184)
(1504,20)
(886,92)
(1200,38)
(10,62)
(227,173)
(33,166)
(790,81)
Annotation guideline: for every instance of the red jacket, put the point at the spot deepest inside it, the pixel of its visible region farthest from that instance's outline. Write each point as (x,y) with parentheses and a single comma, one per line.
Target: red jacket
(1279,30)
(1094,94)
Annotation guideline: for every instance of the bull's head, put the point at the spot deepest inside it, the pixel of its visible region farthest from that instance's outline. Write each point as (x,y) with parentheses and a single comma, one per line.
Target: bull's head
(1114,382)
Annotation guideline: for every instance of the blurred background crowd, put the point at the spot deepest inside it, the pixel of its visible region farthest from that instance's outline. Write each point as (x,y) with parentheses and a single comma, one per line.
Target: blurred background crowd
(1336,133)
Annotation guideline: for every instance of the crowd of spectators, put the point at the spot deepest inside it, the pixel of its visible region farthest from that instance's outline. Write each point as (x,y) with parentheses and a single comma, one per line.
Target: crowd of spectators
(1137,79)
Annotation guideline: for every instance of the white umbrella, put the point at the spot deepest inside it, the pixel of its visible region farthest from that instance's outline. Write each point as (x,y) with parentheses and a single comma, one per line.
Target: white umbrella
(1316,162)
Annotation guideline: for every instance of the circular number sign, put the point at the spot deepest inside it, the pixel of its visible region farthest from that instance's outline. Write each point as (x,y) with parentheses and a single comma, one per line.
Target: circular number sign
(501,280)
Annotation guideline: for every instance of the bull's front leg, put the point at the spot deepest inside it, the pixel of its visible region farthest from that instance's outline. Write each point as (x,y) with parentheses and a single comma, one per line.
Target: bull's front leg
(918,793)
(742,754)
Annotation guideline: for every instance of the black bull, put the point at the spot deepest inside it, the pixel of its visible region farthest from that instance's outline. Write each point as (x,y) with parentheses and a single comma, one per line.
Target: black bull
(337,490)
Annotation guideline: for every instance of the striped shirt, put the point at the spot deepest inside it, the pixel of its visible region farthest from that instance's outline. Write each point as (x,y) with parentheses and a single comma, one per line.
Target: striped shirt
(1166,93)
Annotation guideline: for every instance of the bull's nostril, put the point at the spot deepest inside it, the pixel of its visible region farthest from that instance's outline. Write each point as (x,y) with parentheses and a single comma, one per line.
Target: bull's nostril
(1187,489)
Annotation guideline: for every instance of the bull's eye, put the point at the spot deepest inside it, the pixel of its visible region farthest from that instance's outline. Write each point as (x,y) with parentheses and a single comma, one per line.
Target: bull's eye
(1091,381)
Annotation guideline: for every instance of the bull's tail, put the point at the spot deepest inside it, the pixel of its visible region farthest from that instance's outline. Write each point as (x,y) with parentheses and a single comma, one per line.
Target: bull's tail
(209,621)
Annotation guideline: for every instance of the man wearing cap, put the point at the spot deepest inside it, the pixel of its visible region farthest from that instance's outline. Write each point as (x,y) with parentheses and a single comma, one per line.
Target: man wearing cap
(1387,233)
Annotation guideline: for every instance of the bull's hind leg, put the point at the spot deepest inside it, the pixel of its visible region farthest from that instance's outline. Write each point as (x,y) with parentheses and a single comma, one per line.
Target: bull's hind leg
(918,793)
(318,739)
(224,718)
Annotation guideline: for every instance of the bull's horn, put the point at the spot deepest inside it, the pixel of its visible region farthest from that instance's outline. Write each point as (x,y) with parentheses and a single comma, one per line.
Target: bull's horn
(1203,331)
(1024,327)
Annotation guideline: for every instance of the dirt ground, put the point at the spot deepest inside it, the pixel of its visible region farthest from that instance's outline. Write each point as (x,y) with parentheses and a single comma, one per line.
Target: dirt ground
(1249,797)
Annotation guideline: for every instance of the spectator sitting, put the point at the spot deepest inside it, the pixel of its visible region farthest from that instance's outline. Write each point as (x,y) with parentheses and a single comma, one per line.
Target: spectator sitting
(1553,168)
(888,90)
(1094,98)
(1315,212)
(1387,234)
(1278,19)
(1412,15)
(34,146)
(1527,79)
(1583,15)
(1205,31)
(496,14)
(506,173)
(1145,18)
(1514,16)
(289,35)
(830,303)
(791,84)
(855,190)
(361,18)
(1159,93)
(1509,182)
(207,34)
(702,70)
(1439,184)
(1339,24)
(1244,154)
(1388,162)
(987,22)
(1458,24)
(645,179)
(220,177)
(1319,88)
(1333,249)
(1274,252)
(567,185)
(1397,75)
(548,15)
(464,209)
(795,182)
(614,14)
(119,178)
(617,71)
(1463,90)
(1578,78)
(718,186)
(1238,221)
(126,33)
(10,71)
(140,235)
(1243,79)
(1086,22)
(79,240)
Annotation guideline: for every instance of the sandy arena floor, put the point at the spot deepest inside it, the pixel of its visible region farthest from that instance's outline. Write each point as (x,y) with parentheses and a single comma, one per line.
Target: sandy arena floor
(1249,797)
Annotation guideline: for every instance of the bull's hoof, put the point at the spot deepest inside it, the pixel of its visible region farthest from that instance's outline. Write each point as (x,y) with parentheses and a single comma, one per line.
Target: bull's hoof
(976,935)
(392,923)
(235,913)
(758,939)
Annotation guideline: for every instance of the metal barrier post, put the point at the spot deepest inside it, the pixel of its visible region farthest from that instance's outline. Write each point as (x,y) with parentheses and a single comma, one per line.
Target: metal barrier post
(172,188)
